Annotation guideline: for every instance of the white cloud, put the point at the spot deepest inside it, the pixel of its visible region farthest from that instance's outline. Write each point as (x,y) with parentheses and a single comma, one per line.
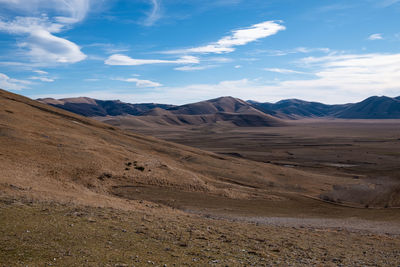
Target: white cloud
(140,83)
(43,79)
(337,79)
(238,66)
(155,14)
(365,73)
(39,32)
(238,37)
(110,48)
(194,68)
(77,10)
(8,83)
(69,11)
(46,47)
(217,59)
(283,71)
(297,50)
(375,36)
(122,60)
(41,72)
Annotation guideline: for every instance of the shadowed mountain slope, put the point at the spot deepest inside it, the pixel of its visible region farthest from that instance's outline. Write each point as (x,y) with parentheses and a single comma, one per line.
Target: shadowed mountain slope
(220,110)
(90,107)
(371,108)
(223,109)
(222,104)
(374,107)
(294,108)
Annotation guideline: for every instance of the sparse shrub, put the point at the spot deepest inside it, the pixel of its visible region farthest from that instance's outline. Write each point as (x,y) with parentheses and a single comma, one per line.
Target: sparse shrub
(104,176)
(140,168)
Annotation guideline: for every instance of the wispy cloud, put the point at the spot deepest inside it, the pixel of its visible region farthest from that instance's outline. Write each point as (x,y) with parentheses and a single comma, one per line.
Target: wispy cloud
(334,79)
(43,79)
(284,71)
(123,60)
(334,7)
(42,76)
(238,37)
(8,83)
(375,36)
(364,74)
(155,14)
(297,50)
(194,68)
(39,31)
(387,3)
(41,72)
(140,83)
(110,48)
(91,80)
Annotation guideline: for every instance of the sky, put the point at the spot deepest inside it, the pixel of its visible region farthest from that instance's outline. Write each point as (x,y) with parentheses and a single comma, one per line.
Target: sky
(183,51)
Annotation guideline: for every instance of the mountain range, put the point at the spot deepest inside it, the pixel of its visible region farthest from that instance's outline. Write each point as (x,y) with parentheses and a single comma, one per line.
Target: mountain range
(90,107)
(227,110)
(374,107)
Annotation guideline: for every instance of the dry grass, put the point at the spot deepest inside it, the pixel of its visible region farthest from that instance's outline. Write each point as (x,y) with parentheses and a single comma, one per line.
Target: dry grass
(43,233)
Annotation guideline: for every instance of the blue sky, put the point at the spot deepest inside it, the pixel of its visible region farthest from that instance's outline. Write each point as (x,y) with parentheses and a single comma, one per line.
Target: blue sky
(176,51)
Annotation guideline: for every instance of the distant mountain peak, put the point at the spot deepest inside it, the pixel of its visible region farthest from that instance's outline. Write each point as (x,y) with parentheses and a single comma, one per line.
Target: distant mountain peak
(90,107)
(374,107)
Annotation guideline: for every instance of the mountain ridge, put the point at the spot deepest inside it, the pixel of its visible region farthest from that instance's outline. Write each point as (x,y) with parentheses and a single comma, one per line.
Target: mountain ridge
(374,107)
(90,107)
(219,110)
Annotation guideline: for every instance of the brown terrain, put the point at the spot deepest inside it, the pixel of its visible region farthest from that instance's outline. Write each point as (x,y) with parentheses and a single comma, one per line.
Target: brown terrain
(75,191)
(364,151)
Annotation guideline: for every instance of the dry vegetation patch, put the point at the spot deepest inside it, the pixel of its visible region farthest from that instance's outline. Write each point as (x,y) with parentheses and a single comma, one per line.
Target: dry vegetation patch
(48,233)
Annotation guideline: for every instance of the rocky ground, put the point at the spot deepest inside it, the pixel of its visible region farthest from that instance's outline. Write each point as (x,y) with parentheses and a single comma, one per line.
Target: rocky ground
(36,233)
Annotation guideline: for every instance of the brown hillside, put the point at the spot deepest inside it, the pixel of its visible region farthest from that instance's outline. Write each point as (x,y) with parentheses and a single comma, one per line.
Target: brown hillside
(48,152)
(223,110)
(221,104)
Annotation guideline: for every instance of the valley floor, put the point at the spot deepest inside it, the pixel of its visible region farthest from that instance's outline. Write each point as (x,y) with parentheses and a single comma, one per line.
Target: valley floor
(364,152)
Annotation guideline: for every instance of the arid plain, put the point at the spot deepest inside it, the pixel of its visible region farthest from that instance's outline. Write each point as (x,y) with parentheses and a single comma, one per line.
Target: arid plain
(365,153)
(76,191)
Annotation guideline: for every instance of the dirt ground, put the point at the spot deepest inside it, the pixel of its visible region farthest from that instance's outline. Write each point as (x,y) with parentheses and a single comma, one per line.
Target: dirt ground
(74,191)
(363,150)
(52,234)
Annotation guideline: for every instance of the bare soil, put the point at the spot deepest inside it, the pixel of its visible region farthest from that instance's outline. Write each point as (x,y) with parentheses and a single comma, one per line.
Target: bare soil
(53,234)
(75,191)
(365,151)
